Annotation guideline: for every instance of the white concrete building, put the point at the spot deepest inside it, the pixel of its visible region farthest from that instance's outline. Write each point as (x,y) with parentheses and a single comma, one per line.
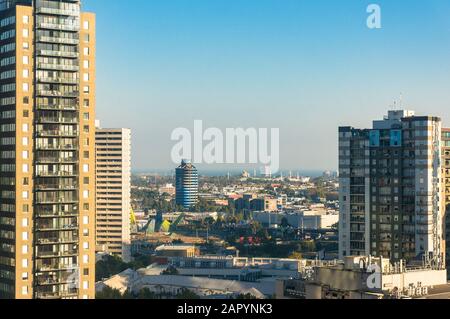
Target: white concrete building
(316,219)
(113,191)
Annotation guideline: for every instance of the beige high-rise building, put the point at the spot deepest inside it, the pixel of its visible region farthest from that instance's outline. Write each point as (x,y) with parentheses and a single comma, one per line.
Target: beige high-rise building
(47,154)
(113,184)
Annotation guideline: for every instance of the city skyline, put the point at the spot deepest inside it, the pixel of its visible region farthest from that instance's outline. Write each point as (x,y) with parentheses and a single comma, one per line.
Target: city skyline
(304,67)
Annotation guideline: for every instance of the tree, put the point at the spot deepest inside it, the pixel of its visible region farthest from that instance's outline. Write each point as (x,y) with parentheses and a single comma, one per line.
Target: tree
(172,271)
(146,294)
(187,294)
(109,266)
(284,222)
(108,293)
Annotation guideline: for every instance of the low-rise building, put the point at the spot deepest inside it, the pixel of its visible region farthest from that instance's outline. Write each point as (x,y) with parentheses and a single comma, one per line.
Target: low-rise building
(318,219)
(172,285)
(237,268)
(167,189)
(364,277)
(176,251)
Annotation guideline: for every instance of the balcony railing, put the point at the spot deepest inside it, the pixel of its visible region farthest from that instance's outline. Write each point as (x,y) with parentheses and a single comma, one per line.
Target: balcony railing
(57,107)
(45,214)
(43,119)
(58,40)
(58,80)
(56,241)
(58,26)
(53,160)
(58,53)
(55,147)
(46,228)
(58,67)
(56,174)
(56,11)
(57,93)
(57,133)
(47,254)
(56,187)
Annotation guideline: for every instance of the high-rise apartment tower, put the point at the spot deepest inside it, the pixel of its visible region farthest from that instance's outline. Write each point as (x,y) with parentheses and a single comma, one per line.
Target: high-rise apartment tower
(391,194)
(47,154)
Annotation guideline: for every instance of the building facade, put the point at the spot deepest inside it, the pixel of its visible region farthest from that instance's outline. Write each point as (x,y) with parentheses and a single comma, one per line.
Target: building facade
(391,202)
(446,178)
(186,185)
(113,191)
(47,111)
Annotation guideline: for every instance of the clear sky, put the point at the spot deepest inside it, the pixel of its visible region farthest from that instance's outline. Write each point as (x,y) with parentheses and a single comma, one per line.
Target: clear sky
(303,66)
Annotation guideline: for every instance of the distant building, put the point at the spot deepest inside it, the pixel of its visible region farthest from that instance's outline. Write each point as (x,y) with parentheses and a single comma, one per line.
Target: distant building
(250,202)
(390,195)
(167,189)
(113,191)
(186,185)
(245,174)
(307,219)
(177,251)
(267,204)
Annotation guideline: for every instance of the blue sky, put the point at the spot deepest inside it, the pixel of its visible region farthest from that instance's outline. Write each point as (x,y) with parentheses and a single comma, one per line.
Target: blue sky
(303,66)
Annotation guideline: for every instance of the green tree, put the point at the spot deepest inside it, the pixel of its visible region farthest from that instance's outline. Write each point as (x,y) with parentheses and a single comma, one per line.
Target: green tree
(187,294)
(108,293)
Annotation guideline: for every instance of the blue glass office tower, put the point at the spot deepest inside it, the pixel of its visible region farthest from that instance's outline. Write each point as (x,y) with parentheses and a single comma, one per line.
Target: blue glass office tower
(186,185)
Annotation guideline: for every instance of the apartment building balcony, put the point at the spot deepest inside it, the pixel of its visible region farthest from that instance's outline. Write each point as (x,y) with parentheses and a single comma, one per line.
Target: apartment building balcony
(58,40)
(58,67)
(55,268)
(54,160)
(58,26)
(55,187)
(57,241)
(57,107)
(47,228)
(55,93)
(52,282)
(56,120)
(59,173)
(56,133)
(56,147)
(58,11)
(58,80)
(50,214)
(63,54)
(58,254)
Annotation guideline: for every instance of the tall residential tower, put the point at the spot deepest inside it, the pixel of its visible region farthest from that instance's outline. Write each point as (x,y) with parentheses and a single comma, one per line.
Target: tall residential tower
(113,186)
(47,154)
(186,185)
(391,194)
